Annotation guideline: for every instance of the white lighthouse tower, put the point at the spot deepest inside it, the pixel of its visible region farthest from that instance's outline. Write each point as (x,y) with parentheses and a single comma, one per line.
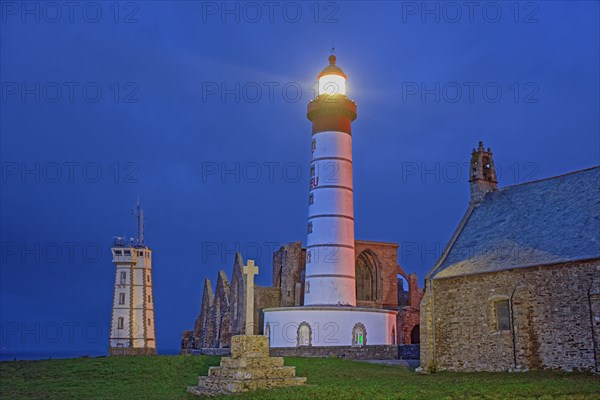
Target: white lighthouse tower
(132,327)
(329,317)
(330,243)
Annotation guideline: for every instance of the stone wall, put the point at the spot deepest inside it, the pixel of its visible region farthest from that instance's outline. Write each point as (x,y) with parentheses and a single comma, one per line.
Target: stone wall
(131,351)
(409,351)
(204,326)
(554,320)
(408,319)
(220,312)
(376,352)
(206,352)
(289,263)
(264,297)
(237,298)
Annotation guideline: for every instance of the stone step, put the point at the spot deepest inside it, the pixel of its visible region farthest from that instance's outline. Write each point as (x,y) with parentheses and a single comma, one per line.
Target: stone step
(255,362)
(252,373)
(212,385)
(272,383)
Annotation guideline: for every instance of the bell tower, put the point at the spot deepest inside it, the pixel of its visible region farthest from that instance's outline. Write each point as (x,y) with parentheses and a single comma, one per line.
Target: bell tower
(483,174)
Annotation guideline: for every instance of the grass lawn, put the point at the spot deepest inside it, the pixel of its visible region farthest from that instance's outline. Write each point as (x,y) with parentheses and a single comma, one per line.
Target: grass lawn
(166,377)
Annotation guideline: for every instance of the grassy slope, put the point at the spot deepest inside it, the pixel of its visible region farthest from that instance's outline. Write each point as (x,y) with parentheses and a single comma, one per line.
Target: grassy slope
(166,377)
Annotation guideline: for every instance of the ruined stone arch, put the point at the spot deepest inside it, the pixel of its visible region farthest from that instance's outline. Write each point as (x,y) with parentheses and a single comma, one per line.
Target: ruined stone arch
(367,276)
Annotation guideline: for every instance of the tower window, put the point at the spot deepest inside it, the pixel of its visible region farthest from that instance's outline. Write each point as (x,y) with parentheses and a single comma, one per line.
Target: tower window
(120,323)
(502,311)
(118,252)
(149,299)
(149,321)
(121,298)
(308,257)
(311,198)
(141,253)
(127,252)
(123,277)
(310,227)
(314,146)
(148,278)
(312,171)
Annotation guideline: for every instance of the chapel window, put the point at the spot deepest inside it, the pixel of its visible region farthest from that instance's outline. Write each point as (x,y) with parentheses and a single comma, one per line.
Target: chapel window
(502,311)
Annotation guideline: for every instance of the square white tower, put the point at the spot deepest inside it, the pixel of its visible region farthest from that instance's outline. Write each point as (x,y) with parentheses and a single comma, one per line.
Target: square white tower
(132,326)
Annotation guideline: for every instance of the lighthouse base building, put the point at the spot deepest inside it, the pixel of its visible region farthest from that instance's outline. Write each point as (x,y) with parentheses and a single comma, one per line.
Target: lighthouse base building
(381,285)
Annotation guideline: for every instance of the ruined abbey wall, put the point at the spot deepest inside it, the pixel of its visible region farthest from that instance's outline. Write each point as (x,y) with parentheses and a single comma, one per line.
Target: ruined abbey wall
(222,314)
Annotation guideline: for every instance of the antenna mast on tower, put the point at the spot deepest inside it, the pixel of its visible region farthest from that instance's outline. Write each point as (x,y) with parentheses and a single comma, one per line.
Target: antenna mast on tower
(140,222)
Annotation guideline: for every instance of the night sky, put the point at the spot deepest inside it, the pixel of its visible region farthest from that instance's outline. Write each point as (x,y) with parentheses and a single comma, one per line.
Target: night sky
(203,115)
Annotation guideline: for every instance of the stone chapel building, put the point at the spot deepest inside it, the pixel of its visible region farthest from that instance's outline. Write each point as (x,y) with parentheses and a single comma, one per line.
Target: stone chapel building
(378,285)
(518,285)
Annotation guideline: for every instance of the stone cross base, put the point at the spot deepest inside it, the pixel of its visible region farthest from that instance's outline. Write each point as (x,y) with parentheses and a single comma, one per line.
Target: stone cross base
(249,368)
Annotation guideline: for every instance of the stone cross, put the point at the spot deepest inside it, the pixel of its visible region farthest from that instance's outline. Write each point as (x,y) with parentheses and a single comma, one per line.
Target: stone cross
(249,271)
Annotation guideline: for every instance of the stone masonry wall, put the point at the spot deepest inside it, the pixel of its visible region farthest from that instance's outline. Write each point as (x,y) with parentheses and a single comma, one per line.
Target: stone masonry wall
(376,352)
(264,297)
(289,262)
(555,320)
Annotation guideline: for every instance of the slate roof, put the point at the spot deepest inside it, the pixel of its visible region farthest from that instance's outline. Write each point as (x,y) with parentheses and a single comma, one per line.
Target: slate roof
(549,221)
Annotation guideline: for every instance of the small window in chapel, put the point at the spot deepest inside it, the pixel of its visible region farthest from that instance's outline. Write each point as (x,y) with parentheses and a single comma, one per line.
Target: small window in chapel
(310,227)
(502,310)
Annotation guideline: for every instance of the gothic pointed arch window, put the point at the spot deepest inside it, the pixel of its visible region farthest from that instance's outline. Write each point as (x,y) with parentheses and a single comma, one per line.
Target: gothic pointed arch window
(366,276)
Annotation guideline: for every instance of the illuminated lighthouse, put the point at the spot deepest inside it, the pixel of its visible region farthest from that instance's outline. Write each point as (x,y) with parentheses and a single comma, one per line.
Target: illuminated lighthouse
(329,316)
(330,273)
